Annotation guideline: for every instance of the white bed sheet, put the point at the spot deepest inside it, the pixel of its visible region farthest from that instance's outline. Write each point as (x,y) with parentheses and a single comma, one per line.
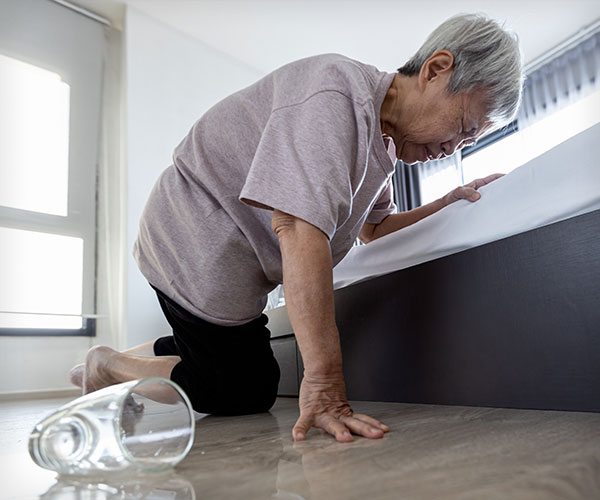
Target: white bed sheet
(562,183)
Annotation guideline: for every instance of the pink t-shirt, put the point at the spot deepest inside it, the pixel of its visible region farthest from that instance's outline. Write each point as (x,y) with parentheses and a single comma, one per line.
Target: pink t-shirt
(306,140)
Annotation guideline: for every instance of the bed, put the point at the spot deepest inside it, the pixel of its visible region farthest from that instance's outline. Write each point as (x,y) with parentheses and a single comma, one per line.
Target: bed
(495,303)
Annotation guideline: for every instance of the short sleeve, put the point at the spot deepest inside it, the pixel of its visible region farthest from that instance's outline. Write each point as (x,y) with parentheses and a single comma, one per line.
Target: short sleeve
(306,160)
(384,205)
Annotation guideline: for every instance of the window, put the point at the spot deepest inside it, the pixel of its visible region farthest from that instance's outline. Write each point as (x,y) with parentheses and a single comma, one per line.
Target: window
(50,102)
(560,100)
(438,177)
(45,276)
(524,145)
(35,104)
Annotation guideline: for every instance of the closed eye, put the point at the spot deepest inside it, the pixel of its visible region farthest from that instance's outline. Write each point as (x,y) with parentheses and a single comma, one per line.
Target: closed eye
(467,135)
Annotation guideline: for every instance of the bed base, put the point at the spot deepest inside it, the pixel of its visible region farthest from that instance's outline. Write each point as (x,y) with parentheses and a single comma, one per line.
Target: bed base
(514,323)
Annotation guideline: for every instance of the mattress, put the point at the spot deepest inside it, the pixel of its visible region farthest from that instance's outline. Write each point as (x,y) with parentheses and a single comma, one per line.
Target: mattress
(560,184)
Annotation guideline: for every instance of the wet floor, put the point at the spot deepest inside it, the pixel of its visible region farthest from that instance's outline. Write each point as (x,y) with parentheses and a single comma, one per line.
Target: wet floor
(431,452)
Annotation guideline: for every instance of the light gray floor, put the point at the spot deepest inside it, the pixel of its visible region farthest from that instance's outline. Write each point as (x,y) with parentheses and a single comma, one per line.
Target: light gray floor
(432,452)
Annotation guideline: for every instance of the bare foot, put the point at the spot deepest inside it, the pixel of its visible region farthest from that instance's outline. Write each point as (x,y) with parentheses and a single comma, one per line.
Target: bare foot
(96,376)
(76,375)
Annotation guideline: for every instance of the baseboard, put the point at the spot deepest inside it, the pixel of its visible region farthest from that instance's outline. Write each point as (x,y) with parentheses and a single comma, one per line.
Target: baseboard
(67,392)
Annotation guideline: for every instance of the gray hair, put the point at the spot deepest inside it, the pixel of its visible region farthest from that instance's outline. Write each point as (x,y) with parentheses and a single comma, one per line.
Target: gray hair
(486,57)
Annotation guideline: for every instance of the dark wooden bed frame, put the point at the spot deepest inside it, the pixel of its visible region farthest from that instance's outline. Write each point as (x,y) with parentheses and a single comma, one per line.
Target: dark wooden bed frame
(514,323)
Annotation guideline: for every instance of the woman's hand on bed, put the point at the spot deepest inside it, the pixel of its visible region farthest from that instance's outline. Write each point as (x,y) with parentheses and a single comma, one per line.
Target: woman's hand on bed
(323,405)
(469,191)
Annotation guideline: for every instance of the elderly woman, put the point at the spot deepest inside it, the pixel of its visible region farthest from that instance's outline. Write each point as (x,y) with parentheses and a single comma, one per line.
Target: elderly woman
(273,185)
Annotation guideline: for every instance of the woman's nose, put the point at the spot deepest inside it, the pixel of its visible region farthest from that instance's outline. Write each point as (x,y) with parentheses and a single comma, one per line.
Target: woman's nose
(449,147)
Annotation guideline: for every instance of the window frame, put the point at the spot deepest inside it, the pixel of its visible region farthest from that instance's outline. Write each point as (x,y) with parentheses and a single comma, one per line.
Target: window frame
(490,139)
(54,38)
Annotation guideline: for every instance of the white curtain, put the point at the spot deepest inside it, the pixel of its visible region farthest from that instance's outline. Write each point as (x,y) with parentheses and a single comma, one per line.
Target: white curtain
(111,251)
(562,81)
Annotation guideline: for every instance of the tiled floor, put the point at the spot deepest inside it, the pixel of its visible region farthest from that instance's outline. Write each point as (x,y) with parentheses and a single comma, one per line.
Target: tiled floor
(432,452)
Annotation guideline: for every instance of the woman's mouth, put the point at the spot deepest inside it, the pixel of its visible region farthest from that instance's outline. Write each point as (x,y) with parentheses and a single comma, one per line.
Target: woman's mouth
(428,154)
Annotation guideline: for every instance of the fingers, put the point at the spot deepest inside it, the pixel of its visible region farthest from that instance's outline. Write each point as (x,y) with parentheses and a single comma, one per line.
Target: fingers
(472,194)
(302,426)
(323,405)
(467,193)
(363,428)
(492,177)
(335,427)
(373,422)
(477,183)
(341,428)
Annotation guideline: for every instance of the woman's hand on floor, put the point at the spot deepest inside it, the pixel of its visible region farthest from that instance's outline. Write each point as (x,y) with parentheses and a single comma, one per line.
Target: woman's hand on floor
(323,405)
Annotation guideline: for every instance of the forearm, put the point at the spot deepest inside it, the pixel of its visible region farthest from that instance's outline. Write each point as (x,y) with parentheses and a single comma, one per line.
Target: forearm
(308,285)
(398,221)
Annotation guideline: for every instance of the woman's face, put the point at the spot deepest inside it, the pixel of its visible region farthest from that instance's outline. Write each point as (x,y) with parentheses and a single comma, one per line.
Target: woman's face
(440,125)
(431,124)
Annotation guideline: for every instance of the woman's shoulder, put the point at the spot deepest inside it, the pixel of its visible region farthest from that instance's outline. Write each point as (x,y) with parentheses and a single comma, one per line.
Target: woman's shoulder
(328,72)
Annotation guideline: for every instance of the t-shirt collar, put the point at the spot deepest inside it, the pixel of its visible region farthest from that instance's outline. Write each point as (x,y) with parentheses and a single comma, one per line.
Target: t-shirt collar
(380,149)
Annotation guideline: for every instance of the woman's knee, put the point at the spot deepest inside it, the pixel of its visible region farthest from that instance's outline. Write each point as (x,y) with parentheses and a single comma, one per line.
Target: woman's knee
(248,395)
(237,394)
(235,401)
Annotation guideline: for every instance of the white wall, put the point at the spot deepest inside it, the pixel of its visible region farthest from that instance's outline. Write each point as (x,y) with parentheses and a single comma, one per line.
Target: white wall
(171,80)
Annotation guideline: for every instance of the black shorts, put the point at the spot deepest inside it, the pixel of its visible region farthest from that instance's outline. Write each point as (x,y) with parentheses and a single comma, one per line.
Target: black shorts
(224,370)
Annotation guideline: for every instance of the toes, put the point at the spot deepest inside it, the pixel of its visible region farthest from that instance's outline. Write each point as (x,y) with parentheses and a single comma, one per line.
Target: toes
(76,375)
(95,376)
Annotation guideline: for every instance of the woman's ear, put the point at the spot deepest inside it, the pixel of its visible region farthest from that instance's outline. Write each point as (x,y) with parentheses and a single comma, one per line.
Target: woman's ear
(440,63)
